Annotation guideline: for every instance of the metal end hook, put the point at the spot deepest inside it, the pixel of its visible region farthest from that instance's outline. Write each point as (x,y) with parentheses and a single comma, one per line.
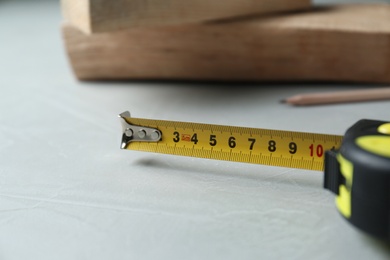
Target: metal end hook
(125,125)
(124,114)
(135,133)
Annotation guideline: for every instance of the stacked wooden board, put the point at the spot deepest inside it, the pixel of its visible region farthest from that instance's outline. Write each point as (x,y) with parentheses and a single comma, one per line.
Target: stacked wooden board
(237,40)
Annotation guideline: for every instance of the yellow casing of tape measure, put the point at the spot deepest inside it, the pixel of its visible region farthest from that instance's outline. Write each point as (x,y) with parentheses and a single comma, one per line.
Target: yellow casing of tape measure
(343,200)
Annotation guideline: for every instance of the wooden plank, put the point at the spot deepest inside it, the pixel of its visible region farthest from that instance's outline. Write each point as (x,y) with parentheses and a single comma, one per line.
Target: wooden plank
(93,16)
(345,43)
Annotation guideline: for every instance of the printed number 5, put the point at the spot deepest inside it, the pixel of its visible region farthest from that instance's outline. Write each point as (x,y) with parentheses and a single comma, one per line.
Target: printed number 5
(213,140)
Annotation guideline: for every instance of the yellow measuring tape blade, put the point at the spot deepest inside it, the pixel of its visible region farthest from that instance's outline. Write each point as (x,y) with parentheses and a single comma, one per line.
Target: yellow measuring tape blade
(238,144)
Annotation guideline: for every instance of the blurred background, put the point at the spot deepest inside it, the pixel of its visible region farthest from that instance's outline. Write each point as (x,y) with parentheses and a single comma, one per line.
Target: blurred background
(68,192)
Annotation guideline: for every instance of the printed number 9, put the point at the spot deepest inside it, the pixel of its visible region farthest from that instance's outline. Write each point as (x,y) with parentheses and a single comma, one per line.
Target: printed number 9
(293,147)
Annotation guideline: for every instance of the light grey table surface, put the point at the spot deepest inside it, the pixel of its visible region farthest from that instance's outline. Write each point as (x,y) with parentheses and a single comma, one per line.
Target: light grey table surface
(68,192)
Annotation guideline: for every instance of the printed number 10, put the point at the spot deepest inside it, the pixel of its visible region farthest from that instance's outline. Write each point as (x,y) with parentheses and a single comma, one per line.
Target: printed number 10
(319,150)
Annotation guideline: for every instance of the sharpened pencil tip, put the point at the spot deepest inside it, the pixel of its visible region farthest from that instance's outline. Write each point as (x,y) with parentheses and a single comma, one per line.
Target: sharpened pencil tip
(282,101)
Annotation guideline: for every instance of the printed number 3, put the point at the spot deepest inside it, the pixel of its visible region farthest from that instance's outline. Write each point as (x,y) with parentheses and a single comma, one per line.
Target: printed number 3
(177,137)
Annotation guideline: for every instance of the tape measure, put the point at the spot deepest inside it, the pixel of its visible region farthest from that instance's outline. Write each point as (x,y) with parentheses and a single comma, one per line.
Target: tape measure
(356,165)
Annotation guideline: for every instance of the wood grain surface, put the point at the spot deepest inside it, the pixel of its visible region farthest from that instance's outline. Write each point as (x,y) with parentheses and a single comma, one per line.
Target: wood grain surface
(91,16)
(344,43)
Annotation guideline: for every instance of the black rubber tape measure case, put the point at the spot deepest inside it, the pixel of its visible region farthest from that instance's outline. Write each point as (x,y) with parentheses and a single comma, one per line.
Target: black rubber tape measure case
(359,174)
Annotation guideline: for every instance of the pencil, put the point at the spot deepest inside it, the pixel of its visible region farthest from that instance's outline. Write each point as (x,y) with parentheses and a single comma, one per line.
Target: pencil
(339,97)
